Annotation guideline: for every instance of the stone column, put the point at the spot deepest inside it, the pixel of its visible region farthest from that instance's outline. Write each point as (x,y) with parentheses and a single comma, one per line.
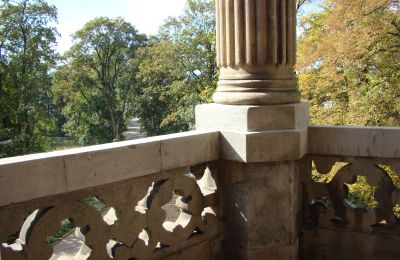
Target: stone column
(256,52)
(263,127)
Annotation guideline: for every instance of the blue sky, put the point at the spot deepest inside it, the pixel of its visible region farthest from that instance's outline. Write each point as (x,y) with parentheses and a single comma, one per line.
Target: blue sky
(313,6)
(145,15)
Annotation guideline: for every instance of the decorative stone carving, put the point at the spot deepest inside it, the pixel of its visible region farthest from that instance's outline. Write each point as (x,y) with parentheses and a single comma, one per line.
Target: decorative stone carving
(138,229)
(328,204)
(256,52)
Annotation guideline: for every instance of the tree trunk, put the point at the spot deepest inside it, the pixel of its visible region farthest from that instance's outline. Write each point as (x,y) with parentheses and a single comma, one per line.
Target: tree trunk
(116,132)
(115,126)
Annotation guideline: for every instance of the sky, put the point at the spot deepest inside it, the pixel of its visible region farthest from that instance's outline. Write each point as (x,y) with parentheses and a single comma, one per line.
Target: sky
(145,15)
(312,7)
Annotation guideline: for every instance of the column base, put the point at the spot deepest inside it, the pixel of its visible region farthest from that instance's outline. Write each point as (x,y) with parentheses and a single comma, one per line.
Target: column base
(257,85)
(258,133)
(256,98)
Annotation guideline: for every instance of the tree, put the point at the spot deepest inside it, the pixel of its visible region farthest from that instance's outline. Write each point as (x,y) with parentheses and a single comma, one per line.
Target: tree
(164,95)
(193,35)
(301,3)
(97,80)
(178,70)
(349,63)
(26,55)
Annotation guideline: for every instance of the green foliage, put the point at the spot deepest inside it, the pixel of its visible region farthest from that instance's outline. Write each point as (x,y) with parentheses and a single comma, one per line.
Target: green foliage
(349,63)
(83,123)
(108,75)
(66,227)
(96,83)
(178,71)
(26,55)
(163,90)
(360,192)
(62,143)
(325,178)
(349,71)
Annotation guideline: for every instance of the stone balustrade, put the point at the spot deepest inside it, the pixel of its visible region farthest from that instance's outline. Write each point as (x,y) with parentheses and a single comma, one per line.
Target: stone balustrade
(336,223)
(145,199)
(245,190)
(180,196)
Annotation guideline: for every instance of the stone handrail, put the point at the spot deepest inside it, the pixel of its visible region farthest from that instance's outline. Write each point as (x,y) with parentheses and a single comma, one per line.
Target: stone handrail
(148,198)
(40,175)
(380,142)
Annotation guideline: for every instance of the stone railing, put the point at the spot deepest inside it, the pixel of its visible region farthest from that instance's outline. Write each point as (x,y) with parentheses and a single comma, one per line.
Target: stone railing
(160,197)
(335,224)
(143,199)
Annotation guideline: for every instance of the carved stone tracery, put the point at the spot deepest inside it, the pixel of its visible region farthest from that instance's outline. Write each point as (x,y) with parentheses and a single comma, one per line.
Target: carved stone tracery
(329,206)
(123,197)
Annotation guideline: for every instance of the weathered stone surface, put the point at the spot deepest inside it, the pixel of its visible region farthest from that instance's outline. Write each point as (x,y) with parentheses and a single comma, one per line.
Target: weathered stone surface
(254,98)
(257,133)
(260,204)
(91,169)
(382,142)
(201,251)
(26,180)
(34,176)
(124,197)
(284,252)
(335,244)
(263,146)
(256,52)
(336,226)
(252,118)
(217,250)
(189,150)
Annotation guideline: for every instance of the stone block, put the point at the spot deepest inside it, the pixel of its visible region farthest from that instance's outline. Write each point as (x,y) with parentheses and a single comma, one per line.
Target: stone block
(252,118)
(189,149)
(216,247)
(22,180)
(382,142)
(281,252)
(263,146)
(201,251)
(261,210)
(321,243)
(93,168)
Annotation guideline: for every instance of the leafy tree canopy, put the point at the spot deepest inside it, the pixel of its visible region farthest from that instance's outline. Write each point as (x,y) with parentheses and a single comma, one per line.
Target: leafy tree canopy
(97,80)
(178,70)
(349,62)
(27,40)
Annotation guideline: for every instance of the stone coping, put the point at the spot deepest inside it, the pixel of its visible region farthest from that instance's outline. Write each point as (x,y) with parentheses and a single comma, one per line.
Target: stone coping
(34,176)
(354,141)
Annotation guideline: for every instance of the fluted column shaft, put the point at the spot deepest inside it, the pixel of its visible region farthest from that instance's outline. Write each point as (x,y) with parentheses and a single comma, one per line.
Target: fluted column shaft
(256,52)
